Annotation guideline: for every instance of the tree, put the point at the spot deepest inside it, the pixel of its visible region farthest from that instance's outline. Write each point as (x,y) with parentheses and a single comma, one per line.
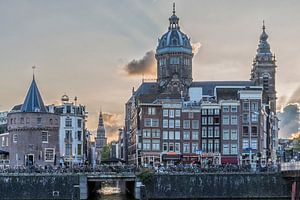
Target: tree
(105,153)
(296,144)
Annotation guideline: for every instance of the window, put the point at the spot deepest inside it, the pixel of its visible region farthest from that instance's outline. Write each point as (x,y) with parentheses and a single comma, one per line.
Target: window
(195,124)
(177,113)
(225,134)
(217,131)
(191,115)
(233,134)
(165,113)
(225,108)
(45,136)
(204,120)
(27,120)
(210,146)
(165,123)
(194,147)
(210,111)
(49,154)
(151,110)
(186,148)
(7,141)
(245,106)
(210,131)
(15,138)
(3,141)
(165,146)
(186,124)
(233,108)
(171,113)
(171,146)
(165,135)
(217,111)
(245,143)
(233,148)
(171,123)
(79,135)
(79,123)
(225,119)
(245,118)
(22,120)
(210,120)
(217,120)
(68,122)
(204,132)
(146,144)
(146,133)
(186,135)
(151,122)
(254,130)
(217,146)
(233,120)
(195,135)
(177,135)
(254,143)
(225,149)
(254,117)
(254,106)
(68,135)
(39,121)
(174,60)
(245,130)
(79,149)
(155,145)
(68,109)
(177,123)
(68,149)
(155,123)
(204,111)
(171,135)
(177,147)
(155,133)
(204,146)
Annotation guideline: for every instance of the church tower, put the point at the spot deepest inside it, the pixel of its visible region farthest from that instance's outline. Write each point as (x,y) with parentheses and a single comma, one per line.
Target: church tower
(264,69)
(101,140)
(174,59)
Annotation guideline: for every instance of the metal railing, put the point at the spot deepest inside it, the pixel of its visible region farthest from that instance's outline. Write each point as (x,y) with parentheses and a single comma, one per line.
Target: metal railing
(290,166)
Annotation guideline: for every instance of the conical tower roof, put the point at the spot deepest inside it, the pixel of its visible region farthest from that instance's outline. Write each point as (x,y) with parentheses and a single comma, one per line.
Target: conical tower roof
(33,101)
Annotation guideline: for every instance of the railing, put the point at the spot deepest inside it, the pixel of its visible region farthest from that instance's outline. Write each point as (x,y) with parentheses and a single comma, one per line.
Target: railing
(290,166)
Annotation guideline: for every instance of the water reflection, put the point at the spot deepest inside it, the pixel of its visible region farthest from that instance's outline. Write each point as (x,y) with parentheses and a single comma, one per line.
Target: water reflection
(112,191)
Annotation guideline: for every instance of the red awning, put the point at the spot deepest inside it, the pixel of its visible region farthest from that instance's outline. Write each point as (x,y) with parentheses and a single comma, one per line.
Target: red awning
(229,160)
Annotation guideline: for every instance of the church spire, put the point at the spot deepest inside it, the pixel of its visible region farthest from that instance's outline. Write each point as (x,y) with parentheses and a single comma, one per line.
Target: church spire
(174,20)
(33,101)
(100,124)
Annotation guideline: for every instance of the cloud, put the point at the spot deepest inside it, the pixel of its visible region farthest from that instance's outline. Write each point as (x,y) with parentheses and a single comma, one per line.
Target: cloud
(295,98)
(145,65)
(196,46)
(112,123)
(289,120)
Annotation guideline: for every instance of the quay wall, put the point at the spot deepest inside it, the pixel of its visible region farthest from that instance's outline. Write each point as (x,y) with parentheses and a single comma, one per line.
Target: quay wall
(40,186)
(218,186)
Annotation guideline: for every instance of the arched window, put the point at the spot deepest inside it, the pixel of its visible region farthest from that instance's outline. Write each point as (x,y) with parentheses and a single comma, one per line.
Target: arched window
(265,81)
(174,41)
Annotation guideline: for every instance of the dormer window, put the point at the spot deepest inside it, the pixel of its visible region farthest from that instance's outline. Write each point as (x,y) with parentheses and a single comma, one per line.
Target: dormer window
(174,41)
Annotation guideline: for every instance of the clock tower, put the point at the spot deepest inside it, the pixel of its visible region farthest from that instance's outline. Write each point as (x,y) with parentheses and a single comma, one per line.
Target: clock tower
(264,69)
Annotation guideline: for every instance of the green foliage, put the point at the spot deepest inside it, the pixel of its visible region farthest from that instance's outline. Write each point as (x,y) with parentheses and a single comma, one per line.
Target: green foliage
(296,145)
(146,175)
(105,153)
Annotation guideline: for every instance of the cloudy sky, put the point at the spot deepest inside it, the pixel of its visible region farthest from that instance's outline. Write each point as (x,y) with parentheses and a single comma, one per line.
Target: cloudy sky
(89,48)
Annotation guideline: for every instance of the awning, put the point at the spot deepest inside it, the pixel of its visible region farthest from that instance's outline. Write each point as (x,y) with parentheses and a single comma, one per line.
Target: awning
(4,152)
(171,156)
(229,160)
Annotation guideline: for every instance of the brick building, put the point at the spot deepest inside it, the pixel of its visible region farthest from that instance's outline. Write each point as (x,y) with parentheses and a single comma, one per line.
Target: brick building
(178,120)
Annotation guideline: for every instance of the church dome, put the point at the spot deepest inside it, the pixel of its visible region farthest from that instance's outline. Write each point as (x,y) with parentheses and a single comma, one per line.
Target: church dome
(64,98)
(174,40)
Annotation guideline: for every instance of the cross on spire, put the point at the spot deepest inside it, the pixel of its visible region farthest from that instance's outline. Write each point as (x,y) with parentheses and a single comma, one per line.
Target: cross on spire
(33,68)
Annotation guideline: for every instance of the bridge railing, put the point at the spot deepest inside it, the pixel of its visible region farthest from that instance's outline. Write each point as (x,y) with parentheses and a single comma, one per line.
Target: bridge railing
(290,166)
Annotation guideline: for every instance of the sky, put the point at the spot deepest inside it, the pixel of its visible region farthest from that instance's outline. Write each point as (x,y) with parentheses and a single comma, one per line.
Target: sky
(83,48)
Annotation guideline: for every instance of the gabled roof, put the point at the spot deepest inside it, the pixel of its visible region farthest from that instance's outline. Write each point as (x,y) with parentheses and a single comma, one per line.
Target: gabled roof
(33,101)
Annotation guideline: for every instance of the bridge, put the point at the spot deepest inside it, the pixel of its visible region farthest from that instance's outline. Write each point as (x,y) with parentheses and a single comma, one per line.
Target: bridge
(291,171)
(113,176)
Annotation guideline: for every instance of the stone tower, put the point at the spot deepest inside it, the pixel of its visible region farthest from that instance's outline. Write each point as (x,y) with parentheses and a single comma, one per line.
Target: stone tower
(101,139)
(264,69)
(174,59)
